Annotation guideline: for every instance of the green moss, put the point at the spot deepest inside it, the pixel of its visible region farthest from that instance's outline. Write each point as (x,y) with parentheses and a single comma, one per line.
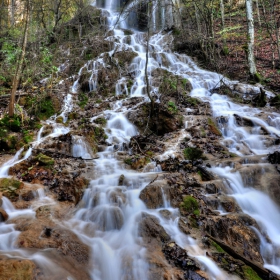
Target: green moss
(190,204)
(83,100)
(44,160)
(9,187)
(59,119)
(192,154)
(101,121)
(217,247)
(128,161)
(249,273)
(192,101)
(172,107)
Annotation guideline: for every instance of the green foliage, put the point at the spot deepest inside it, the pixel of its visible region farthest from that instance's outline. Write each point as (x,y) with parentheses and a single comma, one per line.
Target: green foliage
(249,273)
(101,121)
(41,106)
(13,123)
(128,161)
(27,136)
(192,101)
(172,107)
(192,154)
(83,100)
(190,205)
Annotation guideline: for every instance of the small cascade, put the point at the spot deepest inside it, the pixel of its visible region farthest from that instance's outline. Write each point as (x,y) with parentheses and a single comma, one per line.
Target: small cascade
(252,203)
(80,149)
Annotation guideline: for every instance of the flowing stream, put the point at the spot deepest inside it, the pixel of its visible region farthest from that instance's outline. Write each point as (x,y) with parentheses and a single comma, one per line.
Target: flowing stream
(107,218)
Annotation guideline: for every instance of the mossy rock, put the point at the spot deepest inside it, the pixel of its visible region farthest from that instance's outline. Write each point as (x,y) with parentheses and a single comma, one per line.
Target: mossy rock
(59,119)
(249,273)
(9,187)
(44,160)
(190,205)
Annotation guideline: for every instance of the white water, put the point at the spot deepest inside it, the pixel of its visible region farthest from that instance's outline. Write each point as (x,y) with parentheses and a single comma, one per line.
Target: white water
(108,216)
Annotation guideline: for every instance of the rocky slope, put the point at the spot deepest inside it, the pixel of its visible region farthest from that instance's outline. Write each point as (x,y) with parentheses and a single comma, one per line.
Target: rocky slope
(185,143)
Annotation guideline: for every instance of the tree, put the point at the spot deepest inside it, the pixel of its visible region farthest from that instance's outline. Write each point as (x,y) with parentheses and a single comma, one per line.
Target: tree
(251,39)
(20,61)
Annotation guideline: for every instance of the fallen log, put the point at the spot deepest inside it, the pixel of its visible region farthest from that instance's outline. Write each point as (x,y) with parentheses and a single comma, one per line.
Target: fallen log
(265,274)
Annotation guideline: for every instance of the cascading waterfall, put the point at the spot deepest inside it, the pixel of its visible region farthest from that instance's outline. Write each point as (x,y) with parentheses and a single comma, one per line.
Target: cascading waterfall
(246,143)
(108,217)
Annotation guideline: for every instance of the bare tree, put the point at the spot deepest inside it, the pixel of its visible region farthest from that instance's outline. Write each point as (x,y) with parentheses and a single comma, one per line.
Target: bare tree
(20,61)
(251,39)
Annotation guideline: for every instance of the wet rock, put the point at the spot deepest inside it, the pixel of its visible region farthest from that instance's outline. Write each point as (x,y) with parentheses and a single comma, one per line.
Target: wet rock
(17,269)
(152,195)
(26,194)
(34,235)
(3,215)
(151,230)
(243,121)
(205,174)
(106,218)
(235,230)
(229,204)
(274,158)
(165,214)
(117,196)
(184,225)
(211,188)
(260,99)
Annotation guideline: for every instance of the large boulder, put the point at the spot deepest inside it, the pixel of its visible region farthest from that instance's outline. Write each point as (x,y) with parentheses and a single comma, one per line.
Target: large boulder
(153,194)
(235,230)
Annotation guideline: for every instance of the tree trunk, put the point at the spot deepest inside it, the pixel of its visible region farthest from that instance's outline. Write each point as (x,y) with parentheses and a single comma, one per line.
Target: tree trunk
(222,7)
(251,39)
(20,61)
(146,65)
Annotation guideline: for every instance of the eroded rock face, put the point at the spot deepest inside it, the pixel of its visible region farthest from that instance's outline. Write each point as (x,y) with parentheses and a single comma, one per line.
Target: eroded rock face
(235,231)
(43,233)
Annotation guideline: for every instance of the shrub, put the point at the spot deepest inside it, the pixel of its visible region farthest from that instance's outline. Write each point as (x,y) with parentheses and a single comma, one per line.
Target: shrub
(192,153)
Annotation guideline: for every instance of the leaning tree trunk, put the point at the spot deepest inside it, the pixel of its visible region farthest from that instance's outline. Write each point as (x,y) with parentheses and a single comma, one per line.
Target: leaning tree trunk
(251,38)
(20,61)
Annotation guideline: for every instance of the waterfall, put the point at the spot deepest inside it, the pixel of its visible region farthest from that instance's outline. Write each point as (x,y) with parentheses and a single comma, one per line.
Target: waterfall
(108,219)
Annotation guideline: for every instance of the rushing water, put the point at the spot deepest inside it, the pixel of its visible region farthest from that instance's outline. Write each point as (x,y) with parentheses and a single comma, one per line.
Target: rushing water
(108,216)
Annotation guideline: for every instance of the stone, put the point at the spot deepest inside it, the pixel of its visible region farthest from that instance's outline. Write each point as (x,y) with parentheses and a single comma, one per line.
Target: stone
(274,158)
(211,188)
(151,230)
(235,230)
(152,194)
(17,269)
(3,215)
